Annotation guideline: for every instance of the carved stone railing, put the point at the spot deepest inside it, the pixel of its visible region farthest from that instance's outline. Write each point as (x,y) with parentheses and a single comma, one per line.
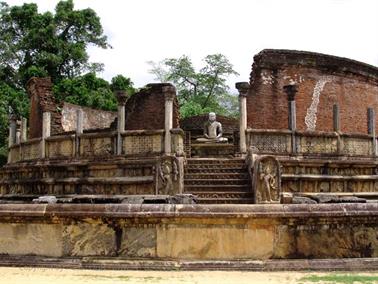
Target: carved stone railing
(25,151)
(270,141)
(97,144)
(286,142)
(143,142)
(60,146)
(138,143)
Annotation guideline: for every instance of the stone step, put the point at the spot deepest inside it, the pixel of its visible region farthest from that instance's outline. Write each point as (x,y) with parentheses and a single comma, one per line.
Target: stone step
(216,181)
(232,163)
(225,201)
(223,194)
(216,187)
(238,175)
(215,160)
(215,169)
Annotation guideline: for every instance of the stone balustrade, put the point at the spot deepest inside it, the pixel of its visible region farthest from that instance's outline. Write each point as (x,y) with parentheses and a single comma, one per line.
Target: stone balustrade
(138,143)
(279,142)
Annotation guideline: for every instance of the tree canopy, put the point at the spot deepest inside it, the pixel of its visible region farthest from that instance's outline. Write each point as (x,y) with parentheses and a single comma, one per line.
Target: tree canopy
(41,44)
(51,44)
(199,91)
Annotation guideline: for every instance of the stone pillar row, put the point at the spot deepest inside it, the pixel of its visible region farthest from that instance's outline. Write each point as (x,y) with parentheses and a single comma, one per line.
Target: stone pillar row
(291,91)
(46,131)
(122,98)
(243,88)
(169,95)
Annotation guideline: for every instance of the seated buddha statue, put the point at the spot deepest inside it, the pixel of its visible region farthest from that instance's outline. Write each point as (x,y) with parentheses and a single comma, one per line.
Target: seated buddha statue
(212,131)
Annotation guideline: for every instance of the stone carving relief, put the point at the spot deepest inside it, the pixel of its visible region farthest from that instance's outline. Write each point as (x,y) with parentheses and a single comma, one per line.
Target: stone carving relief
(99,146)
(168,171)
(270,143)
(311,115)
(266,182)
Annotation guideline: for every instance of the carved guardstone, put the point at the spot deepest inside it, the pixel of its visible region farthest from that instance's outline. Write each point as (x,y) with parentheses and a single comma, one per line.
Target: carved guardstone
(266,183)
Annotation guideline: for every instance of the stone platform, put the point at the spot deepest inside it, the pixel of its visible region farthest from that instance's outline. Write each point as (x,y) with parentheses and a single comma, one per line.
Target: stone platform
(199,233)
(212,150)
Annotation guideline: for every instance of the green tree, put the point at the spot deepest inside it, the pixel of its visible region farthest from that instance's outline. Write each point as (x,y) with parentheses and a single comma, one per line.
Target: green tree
(33,43)
(48,44)
(121,83)
(199,91)
(89,90)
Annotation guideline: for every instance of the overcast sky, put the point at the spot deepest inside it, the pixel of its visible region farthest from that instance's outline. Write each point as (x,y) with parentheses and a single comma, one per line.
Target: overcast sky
(143,30)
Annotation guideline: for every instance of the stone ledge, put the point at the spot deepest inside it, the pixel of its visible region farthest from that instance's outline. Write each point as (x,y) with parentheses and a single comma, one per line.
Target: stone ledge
(253,211)
(115,263)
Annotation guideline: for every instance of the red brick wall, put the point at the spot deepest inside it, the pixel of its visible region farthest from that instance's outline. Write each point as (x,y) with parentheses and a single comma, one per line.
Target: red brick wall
(145,109)
(350,84)
(42,100)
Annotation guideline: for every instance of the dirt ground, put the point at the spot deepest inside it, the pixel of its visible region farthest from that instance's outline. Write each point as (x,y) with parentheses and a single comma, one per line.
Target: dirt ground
(60,276)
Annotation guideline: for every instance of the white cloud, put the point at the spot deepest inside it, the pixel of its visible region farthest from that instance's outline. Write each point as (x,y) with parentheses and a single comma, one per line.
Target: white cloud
(143,30)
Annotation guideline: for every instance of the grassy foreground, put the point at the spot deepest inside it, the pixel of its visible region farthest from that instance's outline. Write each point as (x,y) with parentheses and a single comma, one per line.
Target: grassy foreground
(341,278)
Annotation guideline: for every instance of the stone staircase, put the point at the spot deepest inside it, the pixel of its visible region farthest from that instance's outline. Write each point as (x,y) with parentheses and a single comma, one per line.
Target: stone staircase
(215,180)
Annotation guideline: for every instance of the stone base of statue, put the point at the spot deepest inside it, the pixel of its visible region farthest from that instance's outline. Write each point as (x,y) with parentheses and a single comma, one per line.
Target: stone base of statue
(212,140)
(212,150)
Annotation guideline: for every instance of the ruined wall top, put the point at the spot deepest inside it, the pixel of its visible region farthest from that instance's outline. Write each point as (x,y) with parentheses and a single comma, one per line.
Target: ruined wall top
(321,82)
(92,118)
(145,109)
(279,58)
(42,100)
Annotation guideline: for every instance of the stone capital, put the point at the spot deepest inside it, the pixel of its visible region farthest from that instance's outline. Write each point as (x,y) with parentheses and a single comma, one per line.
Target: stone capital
(122,97)
(291,91)
(243,88)
(13,117)
(169,92)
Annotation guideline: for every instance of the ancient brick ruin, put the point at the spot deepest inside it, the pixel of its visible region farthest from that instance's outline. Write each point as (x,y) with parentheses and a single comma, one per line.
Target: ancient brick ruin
(138,183)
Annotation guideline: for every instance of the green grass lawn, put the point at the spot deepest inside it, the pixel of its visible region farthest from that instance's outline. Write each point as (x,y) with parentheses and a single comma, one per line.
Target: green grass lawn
(341,278)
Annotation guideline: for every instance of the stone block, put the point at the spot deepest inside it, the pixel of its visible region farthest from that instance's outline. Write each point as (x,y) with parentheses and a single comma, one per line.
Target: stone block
(138,241)
(214,242)
(89,237)
(326,241)
(36,239)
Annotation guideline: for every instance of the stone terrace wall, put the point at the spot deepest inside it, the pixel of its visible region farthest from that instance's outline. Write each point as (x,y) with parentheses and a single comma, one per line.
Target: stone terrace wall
(42,100)
(187,232)
(322,81)
(145,109)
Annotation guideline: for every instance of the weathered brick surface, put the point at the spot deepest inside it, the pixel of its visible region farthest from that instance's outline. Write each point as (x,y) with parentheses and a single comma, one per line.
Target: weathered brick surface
(145,109)
(42,100)
(350,84)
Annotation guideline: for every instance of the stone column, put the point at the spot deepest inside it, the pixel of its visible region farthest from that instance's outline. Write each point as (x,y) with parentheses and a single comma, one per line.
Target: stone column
(243,88)
(291,91)
(24,129)
(169,94)
(12,130)
(79,130)
(122,99)
(371,128)
(46,131)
